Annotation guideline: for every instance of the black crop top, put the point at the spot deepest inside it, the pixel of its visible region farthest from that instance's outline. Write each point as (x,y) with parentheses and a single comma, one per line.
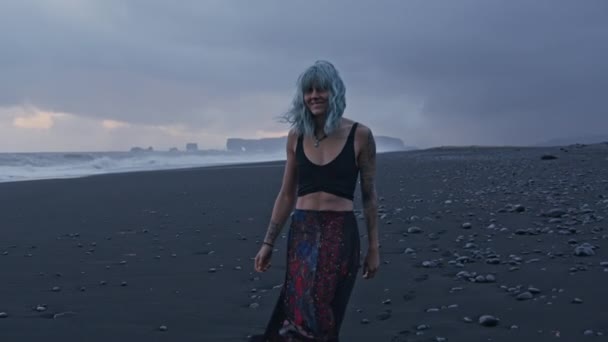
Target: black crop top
(338,177)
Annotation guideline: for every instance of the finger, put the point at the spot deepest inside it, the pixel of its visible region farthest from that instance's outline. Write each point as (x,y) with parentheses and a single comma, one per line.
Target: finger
(369,273)
(257,264)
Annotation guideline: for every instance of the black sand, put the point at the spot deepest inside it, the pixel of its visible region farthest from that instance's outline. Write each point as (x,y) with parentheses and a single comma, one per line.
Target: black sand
(183,243)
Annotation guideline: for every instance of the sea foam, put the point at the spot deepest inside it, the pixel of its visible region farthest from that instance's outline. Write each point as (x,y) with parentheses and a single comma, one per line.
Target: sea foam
(31,166)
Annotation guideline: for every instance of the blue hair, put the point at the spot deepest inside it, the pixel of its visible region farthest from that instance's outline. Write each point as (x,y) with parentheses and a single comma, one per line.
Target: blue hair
(321,75)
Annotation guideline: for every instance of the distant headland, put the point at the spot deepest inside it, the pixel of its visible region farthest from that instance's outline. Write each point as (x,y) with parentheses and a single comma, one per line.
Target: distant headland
(383,144)
(274,145)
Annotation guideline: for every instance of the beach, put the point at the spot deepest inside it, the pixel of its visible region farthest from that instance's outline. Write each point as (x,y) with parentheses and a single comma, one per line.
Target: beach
(515,237)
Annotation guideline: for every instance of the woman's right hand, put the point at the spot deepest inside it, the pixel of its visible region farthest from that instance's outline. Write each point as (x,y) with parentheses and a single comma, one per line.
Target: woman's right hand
(262,259)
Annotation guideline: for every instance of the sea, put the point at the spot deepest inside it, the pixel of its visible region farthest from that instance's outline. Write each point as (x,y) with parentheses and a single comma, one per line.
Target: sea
(16,167)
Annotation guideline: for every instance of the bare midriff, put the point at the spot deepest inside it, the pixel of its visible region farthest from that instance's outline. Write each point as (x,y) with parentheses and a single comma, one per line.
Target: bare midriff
(324,201)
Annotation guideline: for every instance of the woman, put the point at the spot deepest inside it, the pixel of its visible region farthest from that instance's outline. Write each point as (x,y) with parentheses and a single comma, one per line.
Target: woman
(326,153)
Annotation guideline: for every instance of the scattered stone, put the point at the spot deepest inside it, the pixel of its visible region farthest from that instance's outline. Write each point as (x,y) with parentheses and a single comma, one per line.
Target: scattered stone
(584,250)
(414,230)
(64,314)
(429,264)
(518,208)
(555,213)
(383,316)
(488,321)
(524,296)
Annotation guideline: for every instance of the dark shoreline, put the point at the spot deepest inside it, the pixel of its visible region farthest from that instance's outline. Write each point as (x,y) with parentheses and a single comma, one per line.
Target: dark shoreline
(183,241)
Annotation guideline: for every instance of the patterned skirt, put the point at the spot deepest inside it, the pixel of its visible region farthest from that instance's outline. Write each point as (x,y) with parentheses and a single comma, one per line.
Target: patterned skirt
(322,264)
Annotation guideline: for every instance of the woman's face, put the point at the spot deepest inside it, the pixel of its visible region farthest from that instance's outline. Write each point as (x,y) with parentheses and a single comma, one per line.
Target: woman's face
(316,100)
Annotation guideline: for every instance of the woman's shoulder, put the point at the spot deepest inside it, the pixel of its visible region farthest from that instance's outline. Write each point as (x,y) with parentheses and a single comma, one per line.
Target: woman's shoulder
(292,137)
(362,129)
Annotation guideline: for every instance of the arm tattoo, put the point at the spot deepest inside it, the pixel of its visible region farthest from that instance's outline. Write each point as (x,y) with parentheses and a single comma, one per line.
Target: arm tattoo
(368,170)
(273,231)
(367,165)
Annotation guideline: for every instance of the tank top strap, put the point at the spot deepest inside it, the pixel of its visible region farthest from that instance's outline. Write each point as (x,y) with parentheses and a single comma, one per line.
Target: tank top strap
(351,135)
(299,143)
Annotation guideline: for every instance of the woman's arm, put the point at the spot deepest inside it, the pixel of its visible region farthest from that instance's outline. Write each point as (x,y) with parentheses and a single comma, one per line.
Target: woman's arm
(367,167)
(286,199)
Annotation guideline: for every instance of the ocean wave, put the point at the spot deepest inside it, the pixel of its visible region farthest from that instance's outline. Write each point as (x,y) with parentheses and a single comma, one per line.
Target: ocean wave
(31,166)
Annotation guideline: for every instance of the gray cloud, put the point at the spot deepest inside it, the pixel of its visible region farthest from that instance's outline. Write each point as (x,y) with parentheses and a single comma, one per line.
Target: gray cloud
(445,71)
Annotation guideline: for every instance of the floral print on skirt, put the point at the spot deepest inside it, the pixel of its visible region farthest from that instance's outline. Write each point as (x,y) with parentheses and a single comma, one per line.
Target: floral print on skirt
(323,258)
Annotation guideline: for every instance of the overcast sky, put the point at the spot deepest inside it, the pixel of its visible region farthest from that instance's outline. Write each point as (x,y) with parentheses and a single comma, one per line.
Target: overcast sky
(98,75)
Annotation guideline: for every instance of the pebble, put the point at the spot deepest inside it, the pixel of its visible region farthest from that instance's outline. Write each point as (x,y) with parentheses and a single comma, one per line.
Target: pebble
(64,314)
(584,250)
(524,296)
(488,321)
(414,230)
(3,315)
(383,316)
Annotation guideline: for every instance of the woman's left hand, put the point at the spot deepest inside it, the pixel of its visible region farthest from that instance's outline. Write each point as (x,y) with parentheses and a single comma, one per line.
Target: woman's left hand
(371,264)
